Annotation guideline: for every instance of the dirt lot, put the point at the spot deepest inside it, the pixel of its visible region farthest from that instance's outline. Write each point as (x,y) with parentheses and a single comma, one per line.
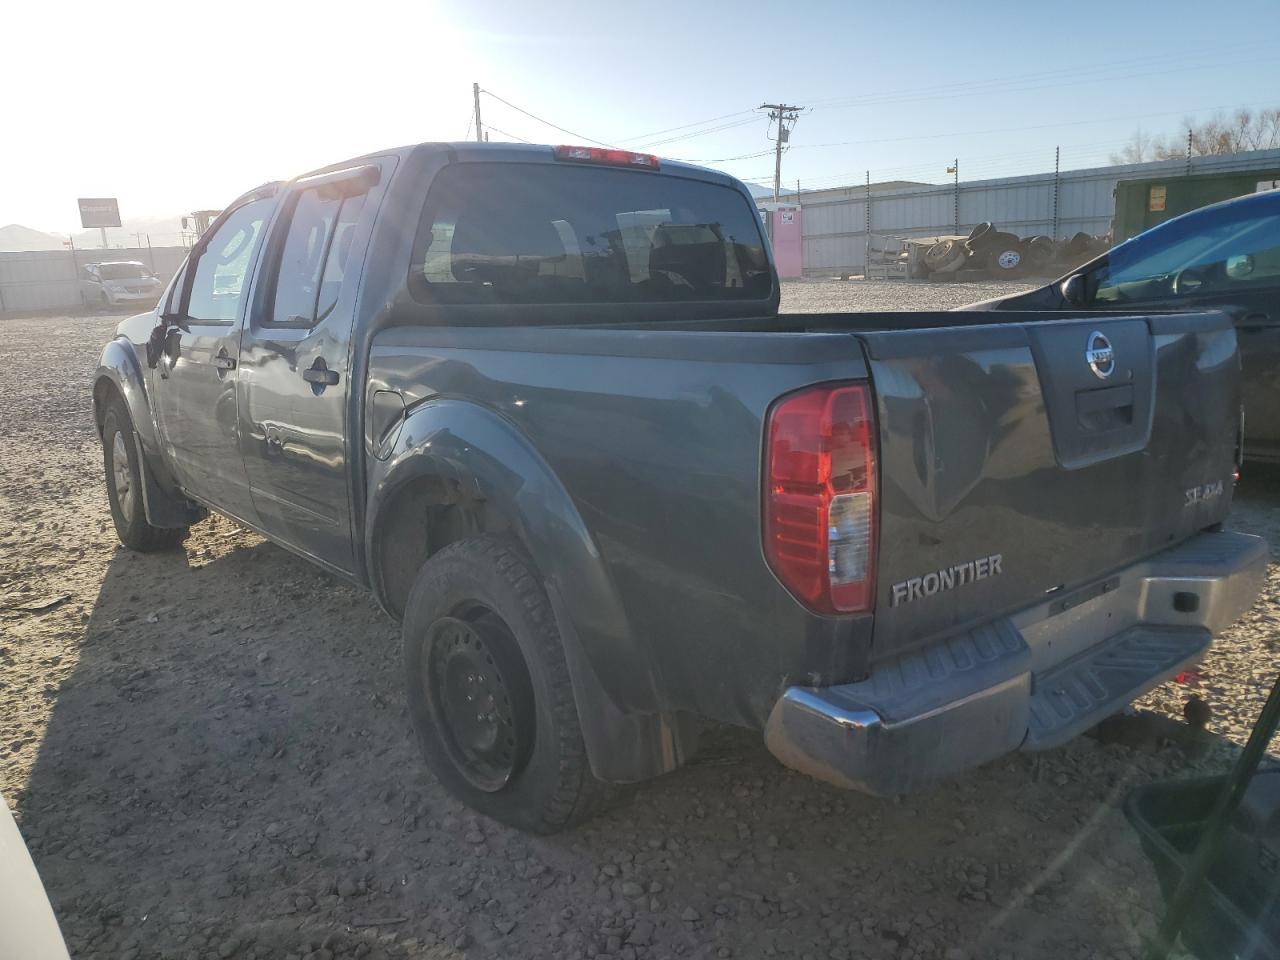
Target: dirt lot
(209,754)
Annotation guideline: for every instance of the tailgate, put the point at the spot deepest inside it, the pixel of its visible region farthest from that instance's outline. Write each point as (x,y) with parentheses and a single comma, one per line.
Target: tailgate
(1021,459)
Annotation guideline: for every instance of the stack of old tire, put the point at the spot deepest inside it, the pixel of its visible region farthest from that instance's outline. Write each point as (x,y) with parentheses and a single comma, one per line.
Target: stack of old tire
(1007,255)
(1081,247)
(989,252)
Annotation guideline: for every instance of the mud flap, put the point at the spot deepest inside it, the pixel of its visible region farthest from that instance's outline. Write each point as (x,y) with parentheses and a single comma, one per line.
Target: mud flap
(164,509)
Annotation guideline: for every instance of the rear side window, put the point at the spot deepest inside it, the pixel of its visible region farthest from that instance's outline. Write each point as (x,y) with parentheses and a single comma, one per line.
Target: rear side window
(563,233)
(314,257)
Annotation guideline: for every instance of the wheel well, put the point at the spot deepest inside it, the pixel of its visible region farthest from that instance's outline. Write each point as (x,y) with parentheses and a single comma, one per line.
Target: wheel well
(423,517)
(103,391)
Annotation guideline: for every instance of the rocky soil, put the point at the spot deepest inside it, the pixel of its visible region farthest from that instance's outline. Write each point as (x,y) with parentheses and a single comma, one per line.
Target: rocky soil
(208,753)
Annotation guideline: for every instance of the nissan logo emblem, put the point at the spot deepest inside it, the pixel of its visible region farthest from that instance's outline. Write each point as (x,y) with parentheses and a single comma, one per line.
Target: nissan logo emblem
(1099,355)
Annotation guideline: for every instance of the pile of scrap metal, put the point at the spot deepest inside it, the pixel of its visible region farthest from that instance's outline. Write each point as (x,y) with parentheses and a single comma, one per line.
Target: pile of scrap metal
(988,253)
(984,253)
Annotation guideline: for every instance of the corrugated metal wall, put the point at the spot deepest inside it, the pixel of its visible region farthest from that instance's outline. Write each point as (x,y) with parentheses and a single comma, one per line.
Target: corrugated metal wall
(835,222)
(47,279)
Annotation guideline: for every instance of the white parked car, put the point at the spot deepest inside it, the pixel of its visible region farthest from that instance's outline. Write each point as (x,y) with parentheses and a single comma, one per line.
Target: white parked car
(119,283)
(27,925)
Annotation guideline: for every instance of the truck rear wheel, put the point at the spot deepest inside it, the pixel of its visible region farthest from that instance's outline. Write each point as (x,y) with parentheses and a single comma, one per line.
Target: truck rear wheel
(489,691)
(124,485)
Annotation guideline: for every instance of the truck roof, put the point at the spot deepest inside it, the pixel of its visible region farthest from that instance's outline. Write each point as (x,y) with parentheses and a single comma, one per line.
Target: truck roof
(469,150)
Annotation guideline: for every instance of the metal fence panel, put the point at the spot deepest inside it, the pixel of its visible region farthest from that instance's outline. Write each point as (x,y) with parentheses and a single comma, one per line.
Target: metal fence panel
(39,280)
(835,223)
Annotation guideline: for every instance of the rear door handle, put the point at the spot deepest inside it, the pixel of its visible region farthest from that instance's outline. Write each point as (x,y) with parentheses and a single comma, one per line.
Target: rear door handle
(1257,321)
(223,362)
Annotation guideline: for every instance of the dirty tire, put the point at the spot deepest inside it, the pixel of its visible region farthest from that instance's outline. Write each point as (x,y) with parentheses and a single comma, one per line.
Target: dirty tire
(550,787)
(127,512)
(979,234)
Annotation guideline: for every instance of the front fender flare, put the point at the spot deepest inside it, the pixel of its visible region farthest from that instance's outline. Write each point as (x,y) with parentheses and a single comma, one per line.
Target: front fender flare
(627,735)
(163,500)
(119,364)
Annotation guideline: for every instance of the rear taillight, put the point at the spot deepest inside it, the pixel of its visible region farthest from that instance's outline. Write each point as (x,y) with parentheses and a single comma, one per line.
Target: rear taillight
(605,155)
(820,497)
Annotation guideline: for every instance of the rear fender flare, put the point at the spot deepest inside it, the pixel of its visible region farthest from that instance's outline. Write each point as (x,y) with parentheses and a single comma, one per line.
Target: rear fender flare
(491,460)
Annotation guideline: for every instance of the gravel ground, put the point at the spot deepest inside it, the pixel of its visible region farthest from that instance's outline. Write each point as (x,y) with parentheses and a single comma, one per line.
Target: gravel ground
(209,754)
(828,296)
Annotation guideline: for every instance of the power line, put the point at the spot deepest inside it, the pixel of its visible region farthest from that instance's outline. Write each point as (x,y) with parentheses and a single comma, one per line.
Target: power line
(960,89)
(700,133)
(554,126)
(1066,75)
(686,126)
(511,135)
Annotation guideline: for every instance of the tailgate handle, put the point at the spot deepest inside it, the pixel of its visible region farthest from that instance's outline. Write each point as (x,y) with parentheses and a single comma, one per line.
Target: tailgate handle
(1105,409)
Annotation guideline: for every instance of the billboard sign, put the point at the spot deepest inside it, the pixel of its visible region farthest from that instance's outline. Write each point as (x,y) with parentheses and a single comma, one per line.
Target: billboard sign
(99,212)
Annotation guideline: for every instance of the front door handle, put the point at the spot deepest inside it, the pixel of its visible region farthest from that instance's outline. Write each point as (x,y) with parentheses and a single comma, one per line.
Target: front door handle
(224,362)
(1255,321)
(319,374)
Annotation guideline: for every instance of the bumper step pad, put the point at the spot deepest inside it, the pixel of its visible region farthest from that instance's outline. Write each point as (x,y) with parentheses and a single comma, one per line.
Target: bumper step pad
(1074,696)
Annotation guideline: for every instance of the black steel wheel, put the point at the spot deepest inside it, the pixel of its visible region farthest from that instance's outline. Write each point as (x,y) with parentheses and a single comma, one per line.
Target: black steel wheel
(489,690)
(478,688)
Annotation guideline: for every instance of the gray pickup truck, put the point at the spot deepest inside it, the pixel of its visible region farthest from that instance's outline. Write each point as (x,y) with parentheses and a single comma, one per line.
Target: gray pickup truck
(542,403)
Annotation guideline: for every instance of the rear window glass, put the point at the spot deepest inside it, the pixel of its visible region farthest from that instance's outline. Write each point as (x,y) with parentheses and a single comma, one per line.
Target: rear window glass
(535,234)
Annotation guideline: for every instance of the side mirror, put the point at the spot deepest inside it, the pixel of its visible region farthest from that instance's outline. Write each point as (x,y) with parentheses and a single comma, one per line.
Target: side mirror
(1075,290)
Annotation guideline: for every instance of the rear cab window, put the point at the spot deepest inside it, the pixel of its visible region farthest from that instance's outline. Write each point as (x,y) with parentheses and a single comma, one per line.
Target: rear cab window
(522,233)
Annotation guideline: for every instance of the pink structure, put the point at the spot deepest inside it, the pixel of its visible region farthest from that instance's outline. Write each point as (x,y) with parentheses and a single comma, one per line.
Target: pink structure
(784,220)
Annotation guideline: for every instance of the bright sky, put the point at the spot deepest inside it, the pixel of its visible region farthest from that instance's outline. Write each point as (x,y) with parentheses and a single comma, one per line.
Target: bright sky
(179,106)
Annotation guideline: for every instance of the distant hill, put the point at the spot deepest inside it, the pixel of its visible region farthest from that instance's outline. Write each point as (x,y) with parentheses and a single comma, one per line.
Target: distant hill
(163,231)
(15,238)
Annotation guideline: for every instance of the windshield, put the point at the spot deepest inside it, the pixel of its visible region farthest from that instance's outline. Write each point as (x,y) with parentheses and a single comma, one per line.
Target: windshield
(1235,242)
(123,271)
(534,233)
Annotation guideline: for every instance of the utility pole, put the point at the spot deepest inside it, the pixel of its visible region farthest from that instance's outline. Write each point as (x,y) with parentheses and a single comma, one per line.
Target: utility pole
(475,94)
(784,114)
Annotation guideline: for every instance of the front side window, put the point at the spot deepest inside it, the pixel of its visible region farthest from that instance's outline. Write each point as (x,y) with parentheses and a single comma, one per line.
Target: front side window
(314,258)
(536,234)
(1221,249)
(222,272)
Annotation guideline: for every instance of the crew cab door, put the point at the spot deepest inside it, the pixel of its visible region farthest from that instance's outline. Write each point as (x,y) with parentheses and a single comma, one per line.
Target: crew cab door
(194,383)
(295,366)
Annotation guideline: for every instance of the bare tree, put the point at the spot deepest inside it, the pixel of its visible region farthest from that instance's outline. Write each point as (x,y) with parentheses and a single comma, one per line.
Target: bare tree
(1243,130)
(1137,150)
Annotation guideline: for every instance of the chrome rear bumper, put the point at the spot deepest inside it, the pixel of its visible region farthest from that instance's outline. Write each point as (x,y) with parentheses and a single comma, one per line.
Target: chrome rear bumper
(1032,680)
